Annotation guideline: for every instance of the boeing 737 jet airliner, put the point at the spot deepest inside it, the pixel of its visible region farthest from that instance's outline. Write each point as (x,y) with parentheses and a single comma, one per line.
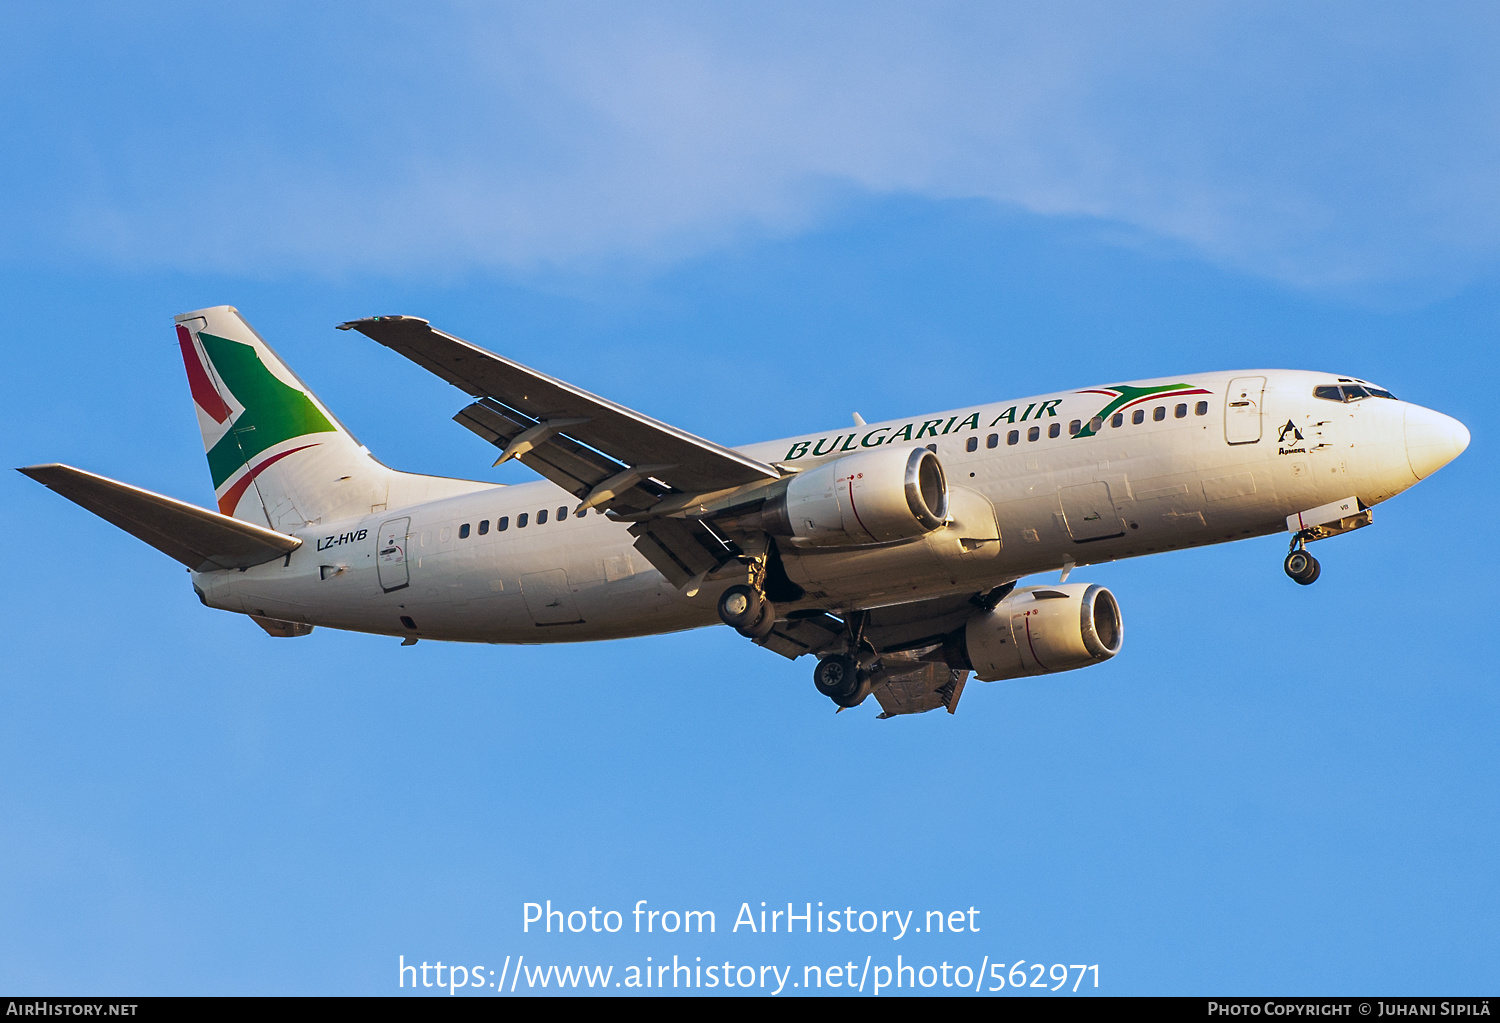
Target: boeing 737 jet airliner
(891,551)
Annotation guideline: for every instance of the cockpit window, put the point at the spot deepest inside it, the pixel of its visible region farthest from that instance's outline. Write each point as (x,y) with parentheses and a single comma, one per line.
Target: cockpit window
(1349,392)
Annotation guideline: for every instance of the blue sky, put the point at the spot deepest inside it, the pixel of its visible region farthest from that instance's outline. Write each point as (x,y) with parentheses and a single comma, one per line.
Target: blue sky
(748,221)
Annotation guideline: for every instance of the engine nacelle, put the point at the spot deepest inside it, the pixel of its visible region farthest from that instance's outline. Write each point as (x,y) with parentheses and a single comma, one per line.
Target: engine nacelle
(871,497)
(1039,630)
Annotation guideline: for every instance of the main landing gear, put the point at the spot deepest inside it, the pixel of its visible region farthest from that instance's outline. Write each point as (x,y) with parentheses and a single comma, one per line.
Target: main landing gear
(1300,565)
(839,678)
(746,610)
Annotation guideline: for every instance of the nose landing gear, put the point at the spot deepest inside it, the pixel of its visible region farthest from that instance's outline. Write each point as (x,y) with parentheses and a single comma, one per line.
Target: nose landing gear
(1300,565)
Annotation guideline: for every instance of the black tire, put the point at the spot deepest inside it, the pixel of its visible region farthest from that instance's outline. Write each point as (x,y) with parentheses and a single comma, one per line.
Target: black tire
(1303,568)
(740,608)
(837,678)
(762,628)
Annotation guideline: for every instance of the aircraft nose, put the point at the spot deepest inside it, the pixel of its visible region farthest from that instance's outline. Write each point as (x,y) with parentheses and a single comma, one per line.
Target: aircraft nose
(1432,440)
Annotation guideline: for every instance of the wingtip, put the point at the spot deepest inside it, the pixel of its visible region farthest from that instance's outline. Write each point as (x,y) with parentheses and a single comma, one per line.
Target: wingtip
(367,321)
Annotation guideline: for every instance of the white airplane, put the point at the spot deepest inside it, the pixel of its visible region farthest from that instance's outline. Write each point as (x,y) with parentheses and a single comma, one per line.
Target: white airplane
(890,551)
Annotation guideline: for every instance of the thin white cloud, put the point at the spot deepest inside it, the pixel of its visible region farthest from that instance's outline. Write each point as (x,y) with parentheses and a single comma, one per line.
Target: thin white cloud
(1326,145)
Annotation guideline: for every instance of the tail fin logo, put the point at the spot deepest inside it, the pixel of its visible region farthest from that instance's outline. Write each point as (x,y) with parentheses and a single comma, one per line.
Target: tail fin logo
(271,410)
(204,395)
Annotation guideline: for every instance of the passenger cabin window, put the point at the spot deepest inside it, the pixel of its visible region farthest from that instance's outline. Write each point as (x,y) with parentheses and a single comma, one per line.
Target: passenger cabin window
(1180,412)
(1033,433)
(993,440)
(1096,424)
(581,512)
(521,521)
(972,444)
(1013,437)
(463,531)
(1074,427)
(1054,430)
(932,448)
(1202,409)
(541,517)
(562,514)
(502,523)
(1118,419)
(1159,413)
(1138,416)
(484,526)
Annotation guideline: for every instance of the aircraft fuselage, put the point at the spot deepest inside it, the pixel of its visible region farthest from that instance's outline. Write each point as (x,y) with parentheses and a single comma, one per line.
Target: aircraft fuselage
(1082,476)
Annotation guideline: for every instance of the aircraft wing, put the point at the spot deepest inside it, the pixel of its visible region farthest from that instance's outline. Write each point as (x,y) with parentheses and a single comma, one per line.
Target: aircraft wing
(578,440)
(894,628)
(922,623)
(200,539)
(903,681)
(907,685)
(606,455)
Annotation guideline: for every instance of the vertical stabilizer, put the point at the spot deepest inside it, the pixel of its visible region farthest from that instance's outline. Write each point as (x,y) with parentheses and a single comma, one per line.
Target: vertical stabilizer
(277,456)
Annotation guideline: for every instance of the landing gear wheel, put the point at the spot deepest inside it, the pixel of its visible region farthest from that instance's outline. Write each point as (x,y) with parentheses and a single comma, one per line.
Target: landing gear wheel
(838,679)
(743,609)
(1303,567)
(761,629)
(740,608)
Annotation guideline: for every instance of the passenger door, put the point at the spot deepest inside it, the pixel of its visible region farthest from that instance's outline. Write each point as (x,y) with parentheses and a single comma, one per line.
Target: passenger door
(1242,409)
(390,555)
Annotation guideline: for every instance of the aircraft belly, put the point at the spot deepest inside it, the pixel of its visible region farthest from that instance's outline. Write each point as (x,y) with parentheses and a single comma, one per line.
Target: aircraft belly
(592,587)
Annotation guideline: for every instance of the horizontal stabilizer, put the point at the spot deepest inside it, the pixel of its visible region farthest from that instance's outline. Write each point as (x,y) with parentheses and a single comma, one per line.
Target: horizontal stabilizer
(200,539)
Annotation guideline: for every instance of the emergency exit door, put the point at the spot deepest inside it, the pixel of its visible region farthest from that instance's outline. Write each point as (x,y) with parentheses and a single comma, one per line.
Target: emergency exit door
(1242,409)
(549,598)
(1089,512)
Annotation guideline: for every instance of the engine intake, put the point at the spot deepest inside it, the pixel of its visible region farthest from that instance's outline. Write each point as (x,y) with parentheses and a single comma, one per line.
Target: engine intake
(871,497)
(1040,630)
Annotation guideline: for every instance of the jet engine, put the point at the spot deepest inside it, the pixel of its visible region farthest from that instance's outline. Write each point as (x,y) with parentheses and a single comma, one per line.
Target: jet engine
(871,497)
(1039,630)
